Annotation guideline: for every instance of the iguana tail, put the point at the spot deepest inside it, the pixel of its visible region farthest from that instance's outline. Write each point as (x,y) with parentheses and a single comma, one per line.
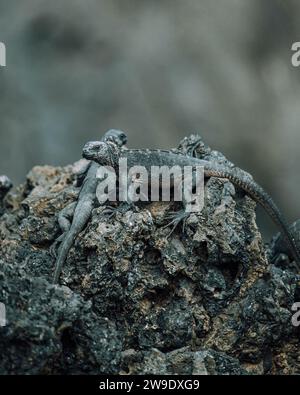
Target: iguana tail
(63,252)
(256,192)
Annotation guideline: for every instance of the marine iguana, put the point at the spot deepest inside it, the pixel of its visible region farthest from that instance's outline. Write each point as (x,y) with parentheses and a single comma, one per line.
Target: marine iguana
(108,154)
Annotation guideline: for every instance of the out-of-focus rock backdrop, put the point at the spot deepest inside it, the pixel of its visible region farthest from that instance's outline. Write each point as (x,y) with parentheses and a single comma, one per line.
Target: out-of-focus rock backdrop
(158,70)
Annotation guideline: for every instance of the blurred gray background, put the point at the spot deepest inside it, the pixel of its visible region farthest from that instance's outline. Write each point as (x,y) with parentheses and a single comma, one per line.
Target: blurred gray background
(158,69)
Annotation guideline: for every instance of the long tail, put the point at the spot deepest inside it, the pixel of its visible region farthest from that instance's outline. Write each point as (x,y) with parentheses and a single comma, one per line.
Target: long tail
(63,252)
(258,194)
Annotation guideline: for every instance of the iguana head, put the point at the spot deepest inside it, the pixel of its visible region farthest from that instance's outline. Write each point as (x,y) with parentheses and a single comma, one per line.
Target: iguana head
(116,136)
(104,153)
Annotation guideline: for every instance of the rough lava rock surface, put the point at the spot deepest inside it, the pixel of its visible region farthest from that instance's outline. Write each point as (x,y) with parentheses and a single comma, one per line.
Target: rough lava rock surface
(132,300)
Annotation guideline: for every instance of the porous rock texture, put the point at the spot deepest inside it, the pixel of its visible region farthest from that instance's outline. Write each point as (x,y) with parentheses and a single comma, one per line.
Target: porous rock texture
(133,299)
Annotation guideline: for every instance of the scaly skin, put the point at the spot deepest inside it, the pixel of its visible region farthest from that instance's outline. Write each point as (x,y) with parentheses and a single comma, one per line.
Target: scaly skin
(84,206)
(109,154)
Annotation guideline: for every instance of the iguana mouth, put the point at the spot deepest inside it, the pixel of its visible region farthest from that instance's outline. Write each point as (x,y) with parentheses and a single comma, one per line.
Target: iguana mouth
(87,155)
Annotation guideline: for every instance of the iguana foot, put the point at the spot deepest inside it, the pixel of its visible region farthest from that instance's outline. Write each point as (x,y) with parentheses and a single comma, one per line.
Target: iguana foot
(176,218)
(112,211)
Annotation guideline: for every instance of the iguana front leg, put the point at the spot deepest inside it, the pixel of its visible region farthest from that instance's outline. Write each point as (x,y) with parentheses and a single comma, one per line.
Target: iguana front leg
(188,200)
